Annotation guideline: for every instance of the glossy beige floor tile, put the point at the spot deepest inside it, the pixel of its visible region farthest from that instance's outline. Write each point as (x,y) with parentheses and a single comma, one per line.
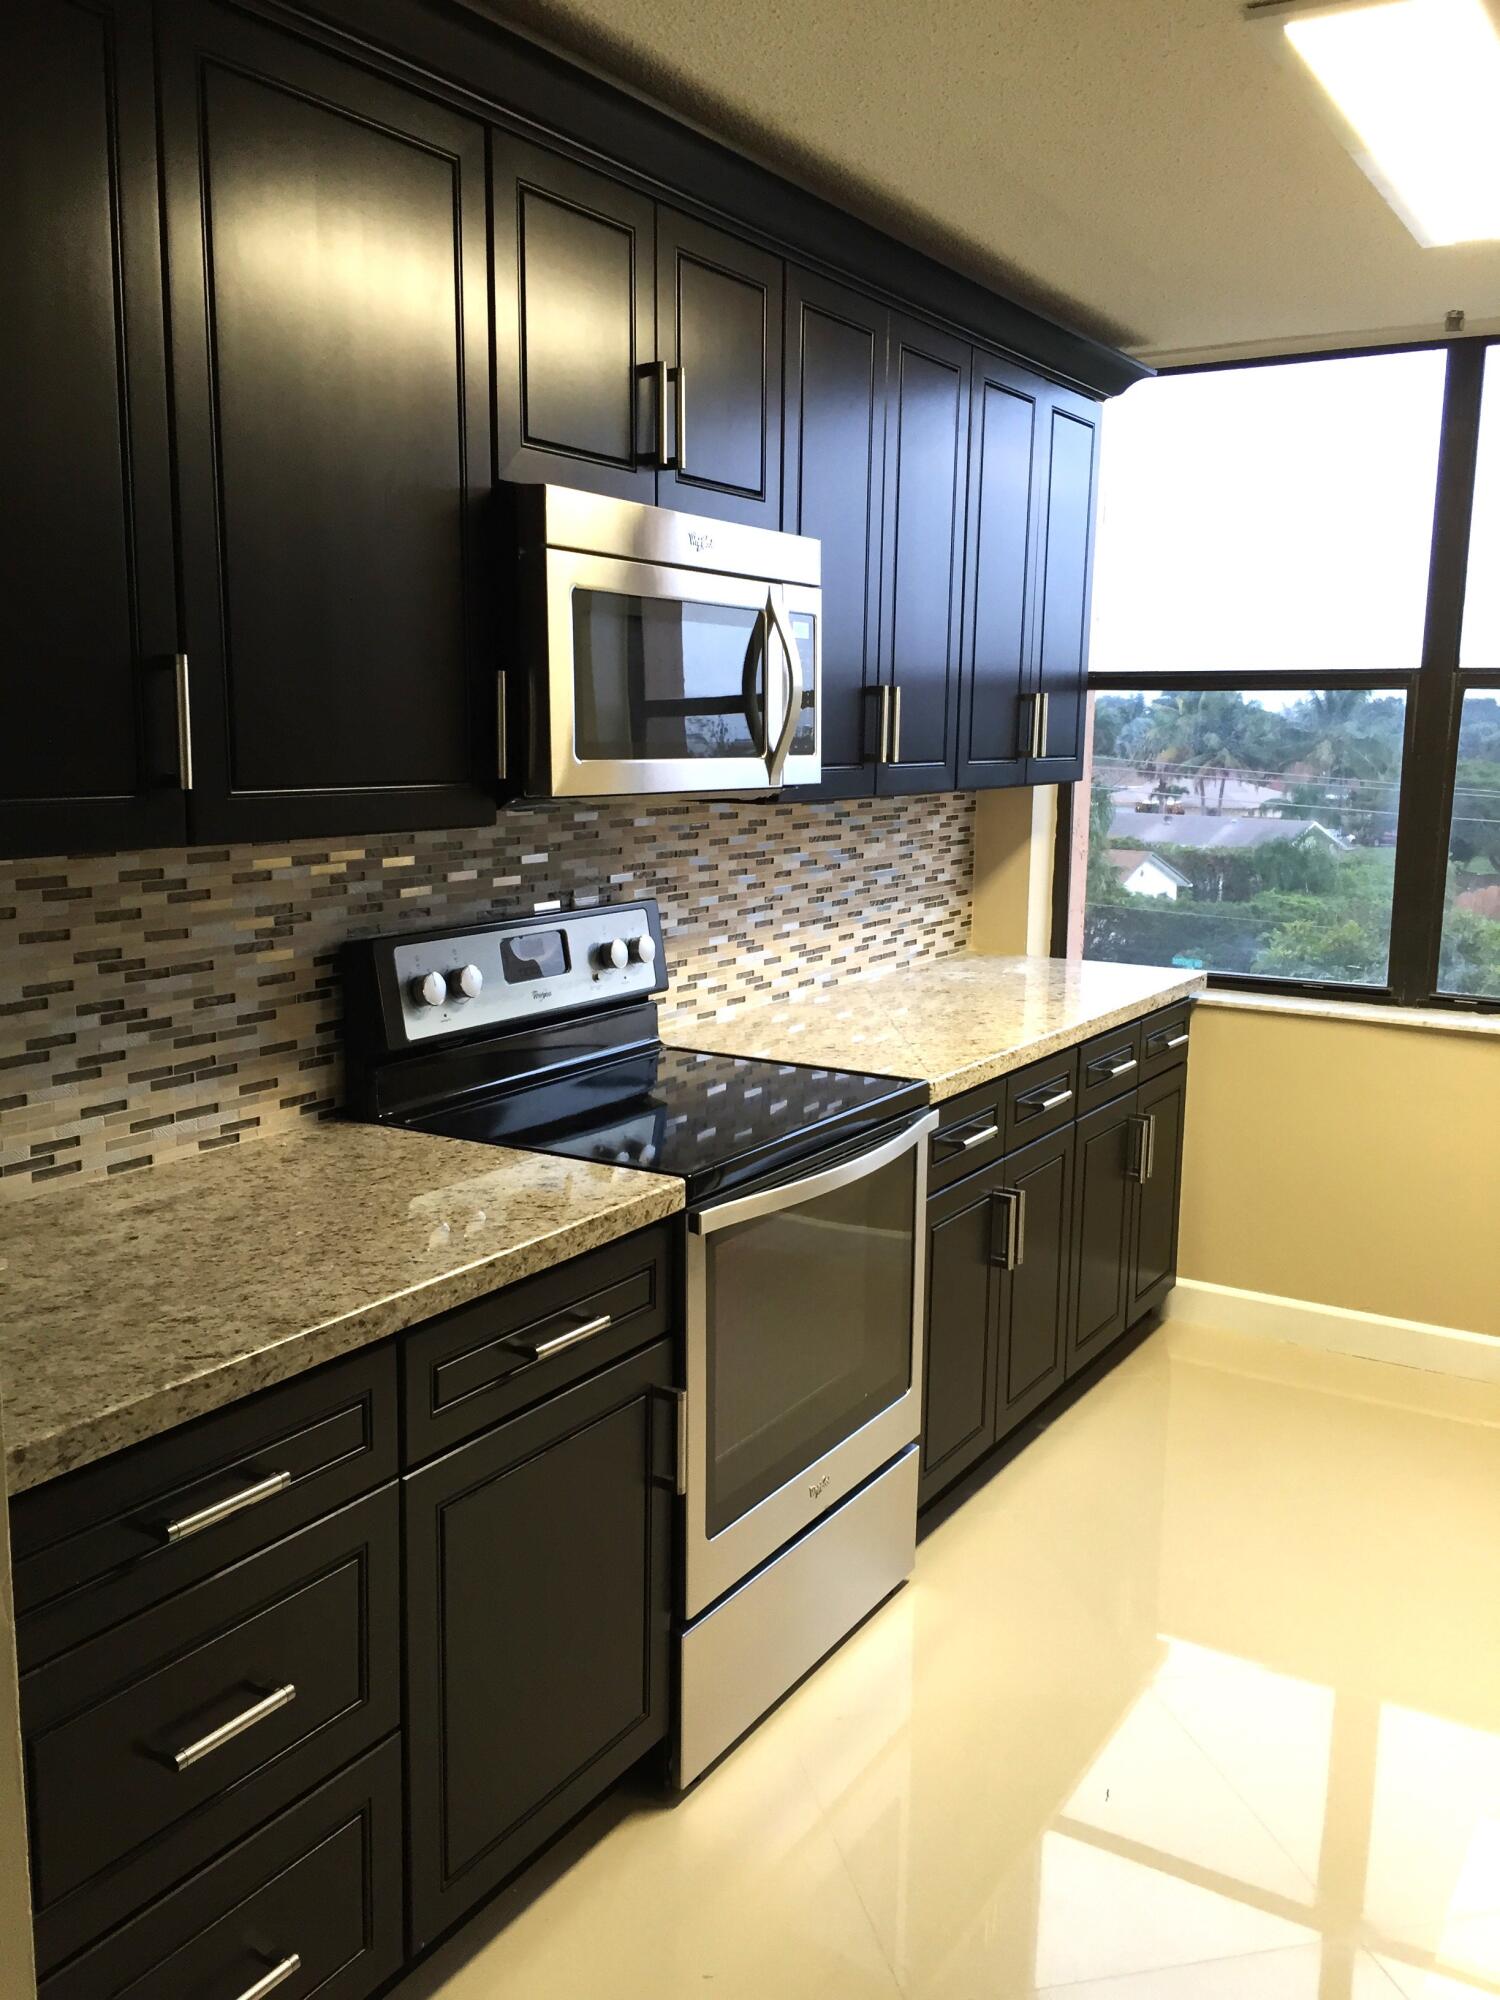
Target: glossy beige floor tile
(1196,1700)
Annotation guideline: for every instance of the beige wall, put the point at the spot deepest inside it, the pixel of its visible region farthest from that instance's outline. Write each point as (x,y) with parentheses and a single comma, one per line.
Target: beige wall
(1347,1164)
(1014,832)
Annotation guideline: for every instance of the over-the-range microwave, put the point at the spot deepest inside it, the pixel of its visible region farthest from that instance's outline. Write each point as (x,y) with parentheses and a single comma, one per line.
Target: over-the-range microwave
(661,652)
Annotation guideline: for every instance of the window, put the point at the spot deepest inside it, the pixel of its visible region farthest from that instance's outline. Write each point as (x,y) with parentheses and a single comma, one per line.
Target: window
(1278,575)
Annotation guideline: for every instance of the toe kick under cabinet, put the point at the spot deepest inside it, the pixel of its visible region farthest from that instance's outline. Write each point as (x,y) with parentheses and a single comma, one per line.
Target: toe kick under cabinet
(1051,1230)
(304,1680)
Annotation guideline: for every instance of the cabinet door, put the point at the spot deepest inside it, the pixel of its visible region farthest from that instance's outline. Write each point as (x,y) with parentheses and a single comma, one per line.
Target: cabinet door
(964,1231)
(330,336)
(88,743)
(835,461)
(1103,1209)
(1153,1264)
(538,1607)
(575,324)
(926,457)
(719,330)
(1034,1318)
(1006,425)
(1068,486)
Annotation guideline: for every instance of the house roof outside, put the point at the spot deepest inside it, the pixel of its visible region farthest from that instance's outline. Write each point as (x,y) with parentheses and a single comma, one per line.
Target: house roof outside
(1128,859)
(1210,830)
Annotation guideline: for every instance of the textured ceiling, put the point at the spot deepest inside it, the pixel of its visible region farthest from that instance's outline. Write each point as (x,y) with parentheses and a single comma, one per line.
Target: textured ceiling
(1151,171)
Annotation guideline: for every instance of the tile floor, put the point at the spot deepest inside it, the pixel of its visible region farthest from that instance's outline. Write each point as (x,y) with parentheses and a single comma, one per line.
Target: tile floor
(1199,1699)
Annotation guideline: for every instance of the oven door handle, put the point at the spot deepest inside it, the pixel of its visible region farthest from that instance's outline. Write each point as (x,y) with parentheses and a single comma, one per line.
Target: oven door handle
(705,1221)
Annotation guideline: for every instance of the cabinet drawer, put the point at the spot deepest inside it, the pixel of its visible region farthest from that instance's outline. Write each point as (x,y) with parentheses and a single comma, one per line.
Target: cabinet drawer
(970,1133)
(321,1884)
(150,1748)
(106,1543)
(465,1371)
(1108,1066)
(1164,1039)
(1041,1099)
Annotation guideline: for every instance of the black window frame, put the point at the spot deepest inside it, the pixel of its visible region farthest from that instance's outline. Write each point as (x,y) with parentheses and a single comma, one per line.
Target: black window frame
(1434,691)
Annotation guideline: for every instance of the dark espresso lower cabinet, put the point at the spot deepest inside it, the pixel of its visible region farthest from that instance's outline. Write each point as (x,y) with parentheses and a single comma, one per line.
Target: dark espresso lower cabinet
(1162,1105)
(1103,1192)
(538,1607)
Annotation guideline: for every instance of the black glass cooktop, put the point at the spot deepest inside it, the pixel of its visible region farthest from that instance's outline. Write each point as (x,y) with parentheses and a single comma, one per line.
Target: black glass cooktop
(715,1121)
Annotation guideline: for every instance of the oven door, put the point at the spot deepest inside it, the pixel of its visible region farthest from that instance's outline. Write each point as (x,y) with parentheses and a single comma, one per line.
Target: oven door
(676,680)
(804,1351)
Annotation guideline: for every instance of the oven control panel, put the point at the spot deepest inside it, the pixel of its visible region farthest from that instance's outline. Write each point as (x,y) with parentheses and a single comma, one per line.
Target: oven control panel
(504,975)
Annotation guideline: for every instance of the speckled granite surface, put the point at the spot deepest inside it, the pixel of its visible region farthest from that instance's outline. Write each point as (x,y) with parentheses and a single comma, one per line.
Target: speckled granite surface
(956,1022)
(129,1306)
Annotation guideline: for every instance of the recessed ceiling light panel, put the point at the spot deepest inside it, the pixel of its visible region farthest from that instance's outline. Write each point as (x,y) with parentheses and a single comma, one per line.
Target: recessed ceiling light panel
(1418,84)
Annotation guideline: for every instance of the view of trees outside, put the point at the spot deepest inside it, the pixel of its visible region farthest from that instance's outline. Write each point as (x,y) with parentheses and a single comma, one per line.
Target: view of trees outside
(1471,912)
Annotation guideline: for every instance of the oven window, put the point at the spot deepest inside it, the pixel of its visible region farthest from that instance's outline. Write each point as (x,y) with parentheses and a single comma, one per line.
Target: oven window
(655,677)
(809,1323)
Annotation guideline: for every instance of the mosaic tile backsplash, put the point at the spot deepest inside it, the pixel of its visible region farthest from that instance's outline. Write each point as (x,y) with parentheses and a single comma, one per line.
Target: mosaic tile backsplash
(158,1004)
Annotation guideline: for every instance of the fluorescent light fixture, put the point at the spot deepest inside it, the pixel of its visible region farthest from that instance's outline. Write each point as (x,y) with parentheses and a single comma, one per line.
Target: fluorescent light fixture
(1418,82)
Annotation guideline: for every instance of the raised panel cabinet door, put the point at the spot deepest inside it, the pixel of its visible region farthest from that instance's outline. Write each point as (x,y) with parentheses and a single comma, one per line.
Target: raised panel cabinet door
(1006,422)
(1153,1264)
(926,462)
(538,1606)
(1103,1214)
(835,460)
(575,324)
(330,337)
(88,739)
(959,1361)
(1034,1319)
(1068,497)
(719,331)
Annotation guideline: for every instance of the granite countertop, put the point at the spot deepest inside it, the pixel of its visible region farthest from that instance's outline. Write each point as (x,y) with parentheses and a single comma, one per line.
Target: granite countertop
(129,1306)
(955,1023)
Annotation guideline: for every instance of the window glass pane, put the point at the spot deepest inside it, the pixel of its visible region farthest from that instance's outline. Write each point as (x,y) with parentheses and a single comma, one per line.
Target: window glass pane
(1269,519)
(1481,642)
(1471,914)
(1244,833)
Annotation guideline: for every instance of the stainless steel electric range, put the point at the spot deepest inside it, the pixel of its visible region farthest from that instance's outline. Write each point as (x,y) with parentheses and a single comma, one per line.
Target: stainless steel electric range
(804,1275)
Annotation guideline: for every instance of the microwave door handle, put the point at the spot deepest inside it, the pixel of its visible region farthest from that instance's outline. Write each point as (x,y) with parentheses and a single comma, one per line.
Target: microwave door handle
(755,657)
(776,611)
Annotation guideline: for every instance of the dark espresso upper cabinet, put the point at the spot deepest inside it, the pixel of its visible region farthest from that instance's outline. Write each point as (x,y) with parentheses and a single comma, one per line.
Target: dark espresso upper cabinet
(575,324)
(835,458)
(331,356)
(1068,484)
(926,462)
(1006,424)
(719,335)
(88,737)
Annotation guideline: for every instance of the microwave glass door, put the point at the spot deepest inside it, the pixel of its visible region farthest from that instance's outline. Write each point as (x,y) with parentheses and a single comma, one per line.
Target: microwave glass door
(809,1333)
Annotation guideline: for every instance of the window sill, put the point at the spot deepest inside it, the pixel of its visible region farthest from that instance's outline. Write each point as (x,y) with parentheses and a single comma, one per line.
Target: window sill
(1369,1013)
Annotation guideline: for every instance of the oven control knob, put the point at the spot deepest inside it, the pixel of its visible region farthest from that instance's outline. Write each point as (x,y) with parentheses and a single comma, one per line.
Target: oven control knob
(467,983)
(431,990)
(643,949)
(613,953)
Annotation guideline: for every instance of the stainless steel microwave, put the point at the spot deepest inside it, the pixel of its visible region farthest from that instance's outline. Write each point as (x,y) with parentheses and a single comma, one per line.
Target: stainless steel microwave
(663,652)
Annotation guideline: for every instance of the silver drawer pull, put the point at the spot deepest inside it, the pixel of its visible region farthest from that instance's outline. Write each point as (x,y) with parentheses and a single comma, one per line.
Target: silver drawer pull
(971,1139)
(277,1976)
(221,1510)
(1044,1103)
(1115,1069)
(1178,1041)
(538,1350)
(268,1705)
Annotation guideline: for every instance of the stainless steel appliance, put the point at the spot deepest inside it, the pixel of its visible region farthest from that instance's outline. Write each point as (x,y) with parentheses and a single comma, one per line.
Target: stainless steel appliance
(665,652)
(804,1273)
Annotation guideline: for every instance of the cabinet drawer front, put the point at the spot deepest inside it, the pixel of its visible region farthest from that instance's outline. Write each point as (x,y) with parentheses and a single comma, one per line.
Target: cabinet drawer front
(472,1367)
(1109,1066)
(98,1546)
(201,1716)
(1164,1039)
(1041,1099)
(970,1134)
(321,1884)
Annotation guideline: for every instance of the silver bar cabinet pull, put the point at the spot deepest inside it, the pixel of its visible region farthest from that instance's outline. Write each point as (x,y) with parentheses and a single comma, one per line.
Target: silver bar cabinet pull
(1013,1248)
(972,1139)
(539,1350)
(679,380)
(184,723)
(659,377)
(1034,734)
(1178,1041)
(895,756)
(680,1395)
(1150,1146)
(1046,1103)
(1121,1068)
(277,1976)
(1044,723)
(222,1510)
(502,739)
(258,1711)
